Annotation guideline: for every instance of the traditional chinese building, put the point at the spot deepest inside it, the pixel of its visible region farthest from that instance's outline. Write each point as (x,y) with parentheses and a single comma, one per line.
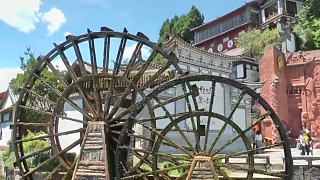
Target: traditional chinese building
(292,88)
(219,35)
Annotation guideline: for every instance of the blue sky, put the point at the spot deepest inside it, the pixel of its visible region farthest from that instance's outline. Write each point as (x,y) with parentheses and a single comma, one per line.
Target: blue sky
(38,23)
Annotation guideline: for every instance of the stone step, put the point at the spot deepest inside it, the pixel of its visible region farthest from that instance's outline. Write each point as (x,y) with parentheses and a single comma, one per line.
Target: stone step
(90,171)
(94,139)
(90,174)
(91,134)
(92,147)
(91,163)
(93,142)
(90,167)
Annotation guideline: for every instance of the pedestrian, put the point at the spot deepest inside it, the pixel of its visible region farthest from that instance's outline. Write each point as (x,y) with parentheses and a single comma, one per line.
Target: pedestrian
(302,145)
(307,139)
(253,135)
(309,142)
(258,140)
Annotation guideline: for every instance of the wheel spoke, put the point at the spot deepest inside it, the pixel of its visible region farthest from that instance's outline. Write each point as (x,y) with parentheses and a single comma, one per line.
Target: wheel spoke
(238,136)
(213,88)
(38,96)
(66,99)
(176,125)
(106,53)
(94,67)
(55,170)
(34,153)
(121,50)
(74,78)
(159,171)
(143,160)
(128,89)
(133,59)
(239,168)
(50,135)
(174,99)
(166,139)
(243,93)
(79,57)
(68,148)
(152,80)
(194,126)
(250,151)
(51,114)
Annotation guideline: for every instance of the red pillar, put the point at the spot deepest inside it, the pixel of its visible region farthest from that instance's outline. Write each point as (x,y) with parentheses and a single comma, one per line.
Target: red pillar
(272,69)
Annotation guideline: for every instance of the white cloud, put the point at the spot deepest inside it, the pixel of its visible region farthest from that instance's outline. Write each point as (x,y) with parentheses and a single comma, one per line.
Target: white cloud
(22,15)
(25,14)
(129,51)
(7,74)
(55,18)
(67,33)
(58,64)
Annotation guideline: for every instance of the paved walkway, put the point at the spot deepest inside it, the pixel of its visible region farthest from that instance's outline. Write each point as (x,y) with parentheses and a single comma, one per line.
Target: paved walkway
(276,156)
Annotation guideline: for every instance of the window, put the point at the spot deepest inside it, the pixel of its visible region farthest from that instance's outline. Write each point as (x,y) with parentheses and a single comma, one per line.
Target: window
(255,17)
(291,7)
(271,11)
(294,90)
(220,28)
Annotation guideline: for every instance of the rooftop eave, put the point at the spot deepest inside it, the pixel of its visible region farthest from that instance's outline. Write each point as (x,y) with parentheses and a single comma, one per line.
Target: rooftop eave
(223,33)
(178,40)
(6,110)
(211,22)
(276,19)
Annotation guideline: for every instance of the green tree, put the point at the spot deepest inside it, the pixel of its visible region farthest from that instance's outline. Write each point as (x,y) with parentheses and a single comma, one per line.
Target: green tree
(307,27)
(179,26)
(28,63)
(30,147)
(254,41)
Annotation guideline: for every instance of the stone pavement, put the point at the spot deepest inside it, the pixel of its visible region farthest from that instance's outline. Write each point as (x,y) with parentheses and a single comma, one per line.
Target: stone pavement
(276,156)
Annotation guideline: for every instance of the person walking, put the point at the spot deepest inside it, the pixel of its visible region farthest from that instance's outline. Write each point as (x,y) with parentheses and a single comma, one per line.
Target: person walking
(253,135)
(258,140)
(307,141)
(302,145)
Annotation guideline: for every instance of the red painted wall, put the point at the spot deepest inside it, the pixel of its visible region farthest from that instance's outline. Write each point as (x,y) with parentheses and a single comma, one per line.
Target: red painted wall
(232,34)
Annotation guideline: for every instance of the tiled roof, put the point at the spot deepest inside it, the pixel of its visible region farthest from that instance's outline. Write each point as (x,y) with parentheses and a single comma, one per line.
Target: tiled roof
(252,85)
(173,39)
(217,19)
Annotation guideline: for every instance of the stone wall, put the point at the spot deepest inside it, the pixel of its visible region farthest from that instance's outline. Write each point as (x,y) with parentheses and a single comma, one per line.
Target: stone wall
(306,173)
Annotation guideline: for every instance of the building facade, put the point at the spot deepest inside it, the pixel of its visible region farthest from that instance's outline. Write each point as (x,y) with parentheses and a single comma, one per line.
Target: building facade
(292,88)
(219,35)
(196,61)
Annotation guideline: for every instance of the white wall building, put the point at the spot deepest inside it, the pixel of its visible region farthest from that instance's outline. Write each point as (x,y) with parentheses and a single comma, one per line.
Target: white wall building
(192,59)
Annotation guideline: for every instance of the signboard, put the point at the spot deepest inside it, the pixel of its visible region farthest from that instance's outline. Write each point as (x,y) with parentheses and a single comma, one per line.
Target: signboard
(203,101)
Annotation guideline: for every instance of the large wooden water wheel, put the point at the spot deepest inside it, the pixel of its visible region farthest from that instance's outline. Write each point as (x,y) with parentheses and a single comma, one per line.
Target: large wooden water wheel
(105,108)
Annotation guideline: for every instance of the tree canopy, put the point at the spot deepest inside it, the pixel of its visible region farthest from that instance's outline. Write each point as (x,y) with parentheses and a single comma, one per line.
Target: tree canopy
(254,41)
(308,25)
(28,63)
(179,26)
